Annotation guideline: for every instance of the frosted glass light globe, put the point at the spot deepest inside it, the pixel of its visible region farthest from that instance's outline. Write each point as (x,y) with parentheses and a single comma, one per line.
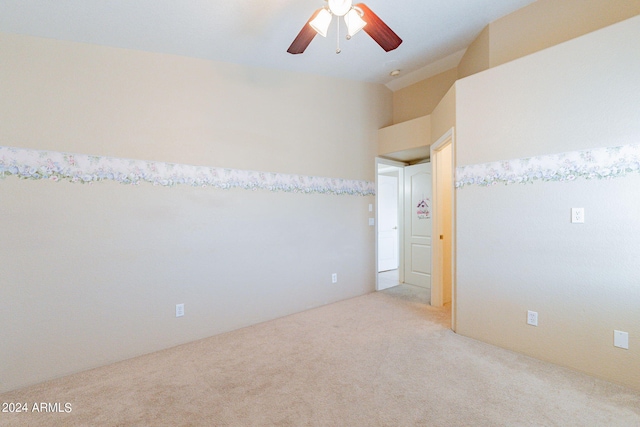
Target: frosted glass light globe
(340,7)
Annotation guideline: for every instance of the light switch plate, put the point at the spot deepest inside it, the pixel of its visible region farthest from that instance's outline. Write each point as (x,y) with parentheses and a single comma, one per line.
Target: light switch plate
(621,339)
(371,221)
(370,207)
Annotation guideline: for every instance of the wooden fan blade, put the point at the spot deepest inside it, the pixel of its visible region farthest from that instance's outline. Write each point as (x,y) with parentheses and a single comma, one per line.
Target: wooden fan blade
(304,37)
(378,30)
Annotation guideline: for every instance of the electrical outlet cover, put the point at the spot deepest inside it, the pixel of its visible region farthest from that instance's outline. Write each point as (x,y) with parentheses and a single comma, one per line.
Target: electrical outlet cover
(577,215)
(532,318)
(179,310)
(621,339)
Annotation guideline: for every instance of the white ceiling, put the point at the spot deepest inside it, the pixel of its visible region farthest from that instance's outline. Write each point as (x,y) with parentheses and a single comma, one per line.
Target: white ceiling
(258,32)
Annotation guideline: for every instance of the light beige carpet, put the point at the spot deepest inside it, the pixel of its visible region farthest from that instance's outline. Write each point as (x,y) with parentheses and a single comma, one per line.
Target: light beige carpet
(383,359)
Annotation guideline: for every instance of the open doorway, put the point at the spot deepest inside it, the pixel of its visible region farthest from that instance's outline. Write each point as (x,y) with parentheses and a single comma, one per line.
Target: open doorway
(403,226)
(389,184)
(441,253)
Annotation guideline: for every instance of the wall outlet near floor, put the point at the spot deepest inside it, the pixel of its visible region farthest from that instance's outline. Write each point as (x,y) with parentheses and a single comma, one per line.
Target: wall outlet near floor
(179,310)
(621,339)
(334,278)
(532,318)
(577,215)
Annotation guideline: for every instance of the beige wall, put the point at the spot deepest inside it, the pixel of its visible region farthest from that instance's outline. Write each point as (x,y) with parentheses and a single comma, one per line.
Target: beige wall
(160,107)
(540,25)
(404,136)
(477,56)
(91,273)
(443,117)
(409,140)
(546,23)
(516,249)
(420,99)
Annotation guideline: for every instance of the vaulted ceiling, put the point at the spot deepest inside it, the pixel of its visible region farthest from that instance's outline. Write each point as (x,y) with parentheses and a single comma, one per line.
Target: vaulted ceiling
(258,32)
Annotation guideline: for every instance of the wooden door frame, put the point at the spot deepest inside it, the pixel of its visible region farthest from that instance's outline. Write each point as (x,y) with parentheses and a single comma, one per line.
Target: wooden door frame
(437,291)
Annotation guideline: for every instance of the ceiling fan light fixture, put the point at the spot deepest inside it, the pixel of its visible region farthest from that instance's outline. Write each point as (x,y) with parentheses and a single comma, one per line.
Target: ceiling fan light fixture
(340,7)
(359,17)
(354,22)
(321,22)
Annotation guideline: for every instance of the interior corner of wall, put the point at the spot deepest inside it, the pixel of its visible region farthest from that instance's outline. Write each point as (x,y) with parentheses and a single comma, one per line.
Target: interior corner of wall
(473,61)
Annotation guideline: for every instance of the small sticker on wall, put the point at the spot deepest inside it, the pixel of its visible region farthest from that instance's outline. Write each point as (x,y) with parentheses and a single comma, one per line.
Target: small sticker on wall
(422,210)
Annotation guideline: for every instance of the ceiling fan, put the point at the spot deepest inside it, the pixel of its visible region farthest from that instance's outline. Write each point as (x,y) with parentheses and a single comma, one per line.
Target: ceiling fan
(357,17)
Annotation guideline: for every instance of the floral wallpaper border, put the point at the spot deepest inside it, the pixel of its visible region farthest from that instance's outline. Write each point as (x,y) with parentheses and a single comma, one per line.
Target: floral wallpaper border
(81,168)
(599,163)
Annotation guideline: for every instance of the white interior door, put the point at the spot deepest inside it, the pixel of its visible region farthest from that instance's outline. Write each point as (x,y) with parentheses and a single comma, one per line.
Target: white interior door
(417,224)
(388,248)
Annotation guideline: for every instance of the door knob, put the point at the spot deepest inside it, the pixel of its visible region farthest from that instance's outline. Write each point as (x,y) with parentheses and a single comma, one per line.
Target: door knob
(394,228)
